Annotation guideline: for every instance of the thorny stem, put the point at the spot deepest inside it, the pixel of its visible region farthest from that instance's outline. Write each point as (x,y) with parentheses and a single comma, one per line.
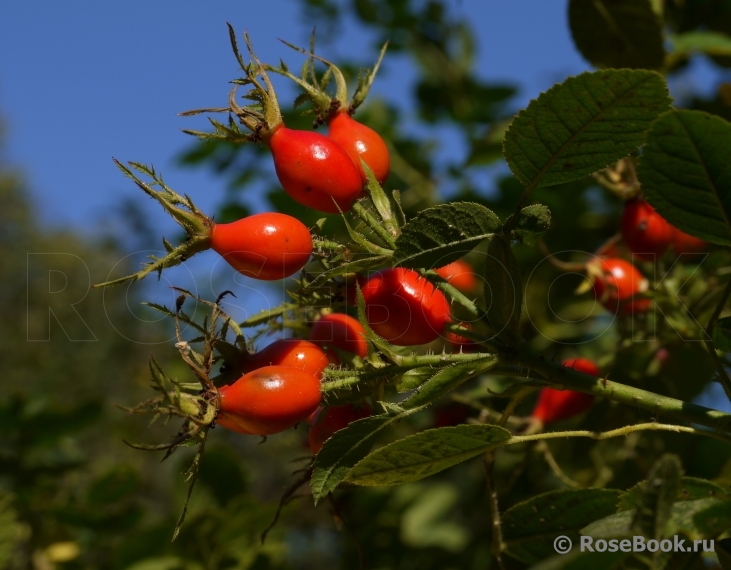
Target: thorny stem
(723,376)
(564,377)
(403,364)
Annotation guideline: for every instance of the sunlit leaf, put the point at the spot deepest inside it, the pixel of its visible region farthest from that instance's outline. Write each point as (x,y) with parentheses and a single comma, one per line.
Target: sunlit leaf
(583,124)
(440,235)
(425,453)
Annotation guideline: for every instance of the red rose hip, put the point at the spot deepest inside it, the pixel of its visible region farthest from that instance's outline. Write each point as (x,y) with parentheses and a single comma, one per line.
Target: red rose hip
(300,354)
(266,246)
(359,142)
(644,231)
(314,170)
(404,308)
(616,285)
(270,399)
(340,331)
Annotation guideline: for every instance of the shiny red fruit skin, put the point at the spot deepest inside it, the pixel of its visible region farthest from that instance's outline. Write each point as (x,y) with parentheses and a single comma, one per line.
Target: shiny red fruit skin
(270,399)
(314,169)
(620,281)
(644,231)
(226,422)
(459,274)
(554,405)
(404,308)
(686,243)
(340,331)
(334,419)
(266,246)
(300,354)
(359,142)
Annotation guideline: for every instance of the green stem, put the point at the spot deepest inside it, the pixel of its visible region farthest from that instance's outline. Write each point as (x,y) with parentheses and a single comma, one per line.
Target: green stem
(405,363)
(723,376)
(565,377)
(649,426)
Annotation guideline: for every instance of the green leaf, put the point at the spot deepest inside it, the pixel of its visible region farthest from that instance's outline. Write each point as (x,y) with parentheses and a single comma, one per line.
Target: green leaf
(686,174)
(530,527)
(437,236)
(533,222)
(722,334)
(447,379)
(584,124)
(711,43)
(702,518)
(344,449)
(414,378)
(658,495)
(617,33)
(424,454)
(503,290)
(614,526)
(698,518)
(383,205)
(690,488)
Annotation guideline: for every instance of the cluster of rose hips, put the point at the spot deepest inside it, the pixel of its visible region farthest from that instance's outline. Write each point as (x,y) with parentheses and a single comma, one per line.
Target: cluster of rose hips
(616,281)
(647,236)
(280,385)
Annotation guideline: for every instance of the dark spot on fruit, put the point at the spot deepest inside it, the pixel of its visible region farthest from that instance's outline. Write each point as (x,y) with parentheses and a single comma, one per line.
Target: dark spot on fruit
(308,189)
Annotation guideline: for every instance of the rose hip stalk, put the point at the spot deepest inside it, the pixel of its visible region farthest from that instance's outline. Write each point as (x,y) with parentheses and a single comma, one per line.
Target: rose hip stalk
(359,141)
(314,170)
(266,246)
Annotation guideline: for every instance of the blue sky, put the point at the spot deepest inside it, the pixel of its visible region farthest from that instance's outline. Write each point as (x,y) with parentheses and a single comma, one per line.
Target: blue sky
(82,82)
